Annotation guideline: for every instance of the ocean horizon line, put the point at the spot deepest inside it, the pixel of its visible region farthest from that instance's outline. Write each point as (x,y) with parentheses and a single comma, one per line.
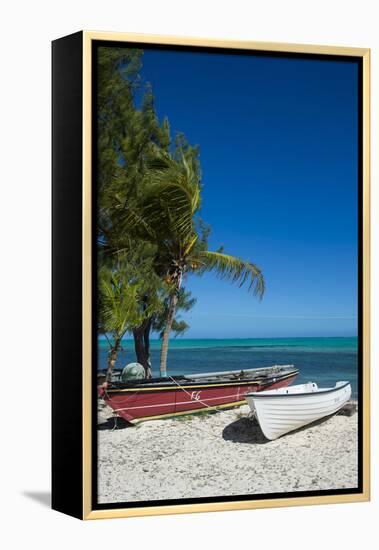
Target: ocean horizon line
(295,343)
(180,338)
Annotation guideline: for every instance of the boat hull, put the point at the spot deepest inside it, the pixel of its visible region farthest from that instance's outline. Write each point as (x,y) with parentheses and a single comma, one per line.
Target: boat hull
(148,403)
(282,413)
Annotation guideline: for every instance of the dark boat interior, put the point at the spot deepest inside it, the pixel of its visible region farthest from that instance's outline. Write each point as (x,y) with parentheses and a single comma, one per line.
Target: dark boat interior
(231,376)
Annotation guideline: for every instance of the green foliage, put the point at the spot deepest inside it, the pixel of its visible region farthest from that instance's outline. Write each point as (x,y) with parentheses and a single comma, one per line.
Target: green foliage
(233,269)
(128,130)
(129,294)
(130,138)
(179,327)
(150,232)
(167,216)
(118,306)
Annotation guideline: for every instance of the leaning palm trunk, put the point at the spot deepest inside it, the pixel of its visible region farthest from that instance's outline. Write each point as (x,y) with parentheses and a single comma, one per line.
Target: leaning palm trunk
(112,358)
(177,278)
(166,333)
(146,340)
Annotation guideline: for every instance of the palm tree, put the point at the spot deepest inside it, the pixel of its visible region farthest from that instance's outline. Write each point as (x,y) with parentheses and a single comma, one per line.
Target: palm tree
(115,315)
(120,309)
(179,326)
(167,215)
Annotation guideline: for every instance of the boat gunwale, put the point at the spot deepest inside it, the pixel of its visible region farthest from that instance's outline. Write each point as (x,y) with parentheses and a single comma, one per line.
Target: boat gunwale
(191,385)
(262,395)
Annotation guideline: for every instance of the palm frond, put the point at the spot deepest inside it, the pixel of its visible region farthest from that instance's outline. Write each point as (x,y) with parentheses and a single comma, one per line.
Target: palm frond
(168,209)
(118,303)
(234,269)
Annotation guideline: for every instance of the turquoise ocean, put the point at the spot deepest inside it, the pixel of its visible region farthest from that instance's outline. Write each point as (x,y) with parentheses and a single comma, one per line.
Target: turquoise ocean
(321,360)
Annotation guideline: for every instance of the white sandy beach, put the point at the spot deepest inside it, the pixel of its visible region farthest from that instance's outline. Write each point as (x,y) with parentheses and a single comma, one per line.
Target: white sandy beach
(221,454)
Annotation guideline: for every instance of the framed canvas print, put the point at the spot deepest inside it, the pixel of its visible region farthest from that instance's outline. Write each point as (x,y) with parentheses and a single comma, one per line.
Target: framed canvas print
(210,275)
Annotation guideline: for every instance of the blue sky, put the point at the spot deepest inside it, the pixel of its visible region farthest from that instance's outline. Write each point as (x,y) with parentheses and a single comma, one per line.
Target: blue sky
(278,150)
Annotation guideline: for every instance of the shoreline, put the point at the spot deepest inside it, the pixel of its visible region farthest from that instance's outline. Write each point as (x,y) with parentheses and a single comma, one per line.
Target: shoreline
(221,454)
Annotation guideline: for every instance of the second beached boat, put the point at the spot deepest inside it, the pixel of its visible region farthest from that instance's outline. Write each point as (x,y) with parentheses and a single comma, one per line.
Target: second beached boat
(139,400)
(283,410)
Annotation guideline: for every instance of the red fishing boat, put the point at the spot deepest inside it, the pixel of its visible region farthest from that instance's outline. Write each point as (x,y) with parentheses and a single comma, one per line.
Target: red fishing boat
(140,400)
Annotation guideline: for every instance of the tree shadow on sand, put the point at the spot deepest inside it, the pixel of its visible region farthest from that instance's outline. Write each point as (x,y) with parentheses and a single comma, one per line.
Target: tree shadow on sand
(248,430)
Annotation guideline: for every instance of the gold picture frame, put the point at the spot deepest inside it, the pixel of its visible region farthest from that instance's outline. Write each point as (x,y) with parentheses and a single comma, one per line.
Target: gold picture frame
(85,509)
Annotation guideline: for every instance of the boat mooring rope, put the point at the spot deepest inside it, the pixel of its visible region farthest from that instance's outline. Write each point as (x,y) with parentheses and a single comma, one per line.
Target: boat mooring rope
(212,408)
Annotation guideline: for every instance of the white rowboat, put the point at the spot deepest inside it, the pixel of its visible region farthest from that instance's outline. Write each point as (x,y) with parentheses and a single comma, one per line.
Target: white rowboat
(286,409)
